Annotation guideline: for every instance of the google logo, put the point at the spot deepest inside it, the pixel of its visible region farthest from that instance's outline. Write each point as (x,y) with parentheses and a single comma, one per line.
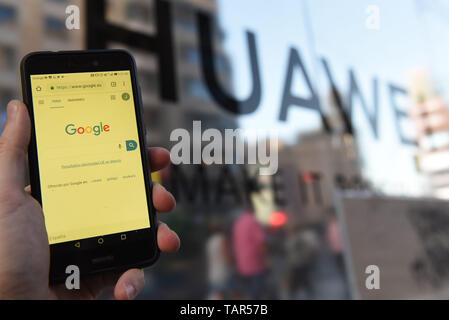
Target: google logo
(71,129)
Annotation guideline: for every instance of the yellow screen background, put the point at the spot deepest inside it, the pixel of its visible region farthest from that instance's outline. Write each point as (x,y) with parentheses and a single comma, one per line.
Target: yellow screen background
(92,182)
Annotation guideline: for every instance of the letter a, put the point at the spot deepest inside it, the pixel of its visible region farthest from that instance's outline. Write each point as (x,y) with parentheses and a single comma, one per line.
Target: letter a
(373,280)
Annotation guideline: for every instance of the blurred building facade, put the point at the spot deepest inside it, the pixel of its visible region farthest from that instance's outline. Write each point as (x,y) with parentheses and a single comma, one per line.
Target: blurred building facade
(430,117)
(315,167)
(46,19)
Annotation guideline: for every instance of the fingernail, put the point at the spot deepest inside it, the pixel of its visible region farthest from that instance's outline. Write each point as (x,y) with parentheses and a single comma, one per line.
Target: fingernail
(159,185)
(163,224)
(11,112)
(130,292)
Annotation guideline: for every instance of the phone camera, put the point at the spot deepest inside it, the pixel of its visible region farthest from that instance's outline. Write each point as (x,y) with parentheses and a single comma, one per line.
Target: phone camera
(95,63)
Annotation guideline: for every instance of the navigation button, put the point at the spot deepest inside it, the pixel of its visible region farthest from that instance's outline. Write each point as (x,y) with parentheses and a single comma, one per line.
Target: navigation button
(78,244)
(100,240)
(123,236)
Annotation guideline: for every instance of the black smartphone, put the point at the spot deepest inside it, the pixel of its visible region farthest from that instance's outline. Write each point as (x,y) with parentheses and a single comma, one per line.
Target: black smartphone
(88,162)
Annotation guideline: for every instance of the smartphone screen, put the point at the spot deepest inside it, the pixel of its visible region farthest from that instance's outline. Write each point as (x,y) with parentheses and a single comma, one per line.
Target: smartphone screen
(89,158)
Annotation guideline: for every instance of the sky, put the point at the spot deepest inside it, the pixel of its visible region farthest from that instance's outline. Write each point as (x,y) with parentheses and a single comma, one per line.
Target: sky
(412,34)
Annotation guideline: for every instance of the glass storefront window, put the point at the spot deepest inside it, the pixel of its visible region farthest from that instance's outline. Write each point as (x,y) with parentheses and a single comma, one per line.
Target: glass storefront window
(357,92)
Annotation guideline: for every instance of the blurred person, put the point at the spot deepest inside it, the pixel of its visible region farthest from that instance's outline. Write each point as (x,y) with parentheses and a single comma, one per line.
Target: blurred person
(249,246)
(24,247)
(301,246)
(333,237)
(218,261)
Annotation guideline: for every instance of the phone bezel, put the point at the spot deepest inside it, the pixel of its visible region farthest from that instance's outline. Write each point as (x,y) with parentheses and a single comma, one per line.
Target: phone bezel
(140,248)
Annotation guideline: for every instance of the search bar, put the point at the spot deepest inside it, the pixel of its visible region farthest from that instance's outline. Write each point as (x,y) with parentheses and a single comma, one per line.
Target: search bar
(89,150)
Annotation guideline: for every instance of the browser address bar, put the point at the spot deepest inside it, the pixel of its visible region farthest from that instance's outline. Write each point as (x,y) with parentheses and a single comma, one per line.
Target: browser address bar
(78,86)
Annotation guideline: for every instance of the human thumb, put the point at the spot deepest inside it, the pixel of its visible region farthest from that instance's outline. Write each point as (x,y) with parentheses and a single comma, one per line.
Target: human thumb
(13,146)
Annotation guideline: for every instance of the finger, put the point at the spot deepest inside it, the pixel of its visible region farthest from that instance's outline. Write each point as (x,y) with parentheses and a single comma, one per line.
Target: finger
(167,239)
(129,285)
(28,189)
(163,200)
(159,158)
(13,145)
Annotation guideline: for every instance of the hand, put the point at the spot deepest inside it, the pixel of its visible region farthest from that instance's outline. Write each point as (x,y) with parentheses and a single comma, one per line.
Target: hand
(24,247)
